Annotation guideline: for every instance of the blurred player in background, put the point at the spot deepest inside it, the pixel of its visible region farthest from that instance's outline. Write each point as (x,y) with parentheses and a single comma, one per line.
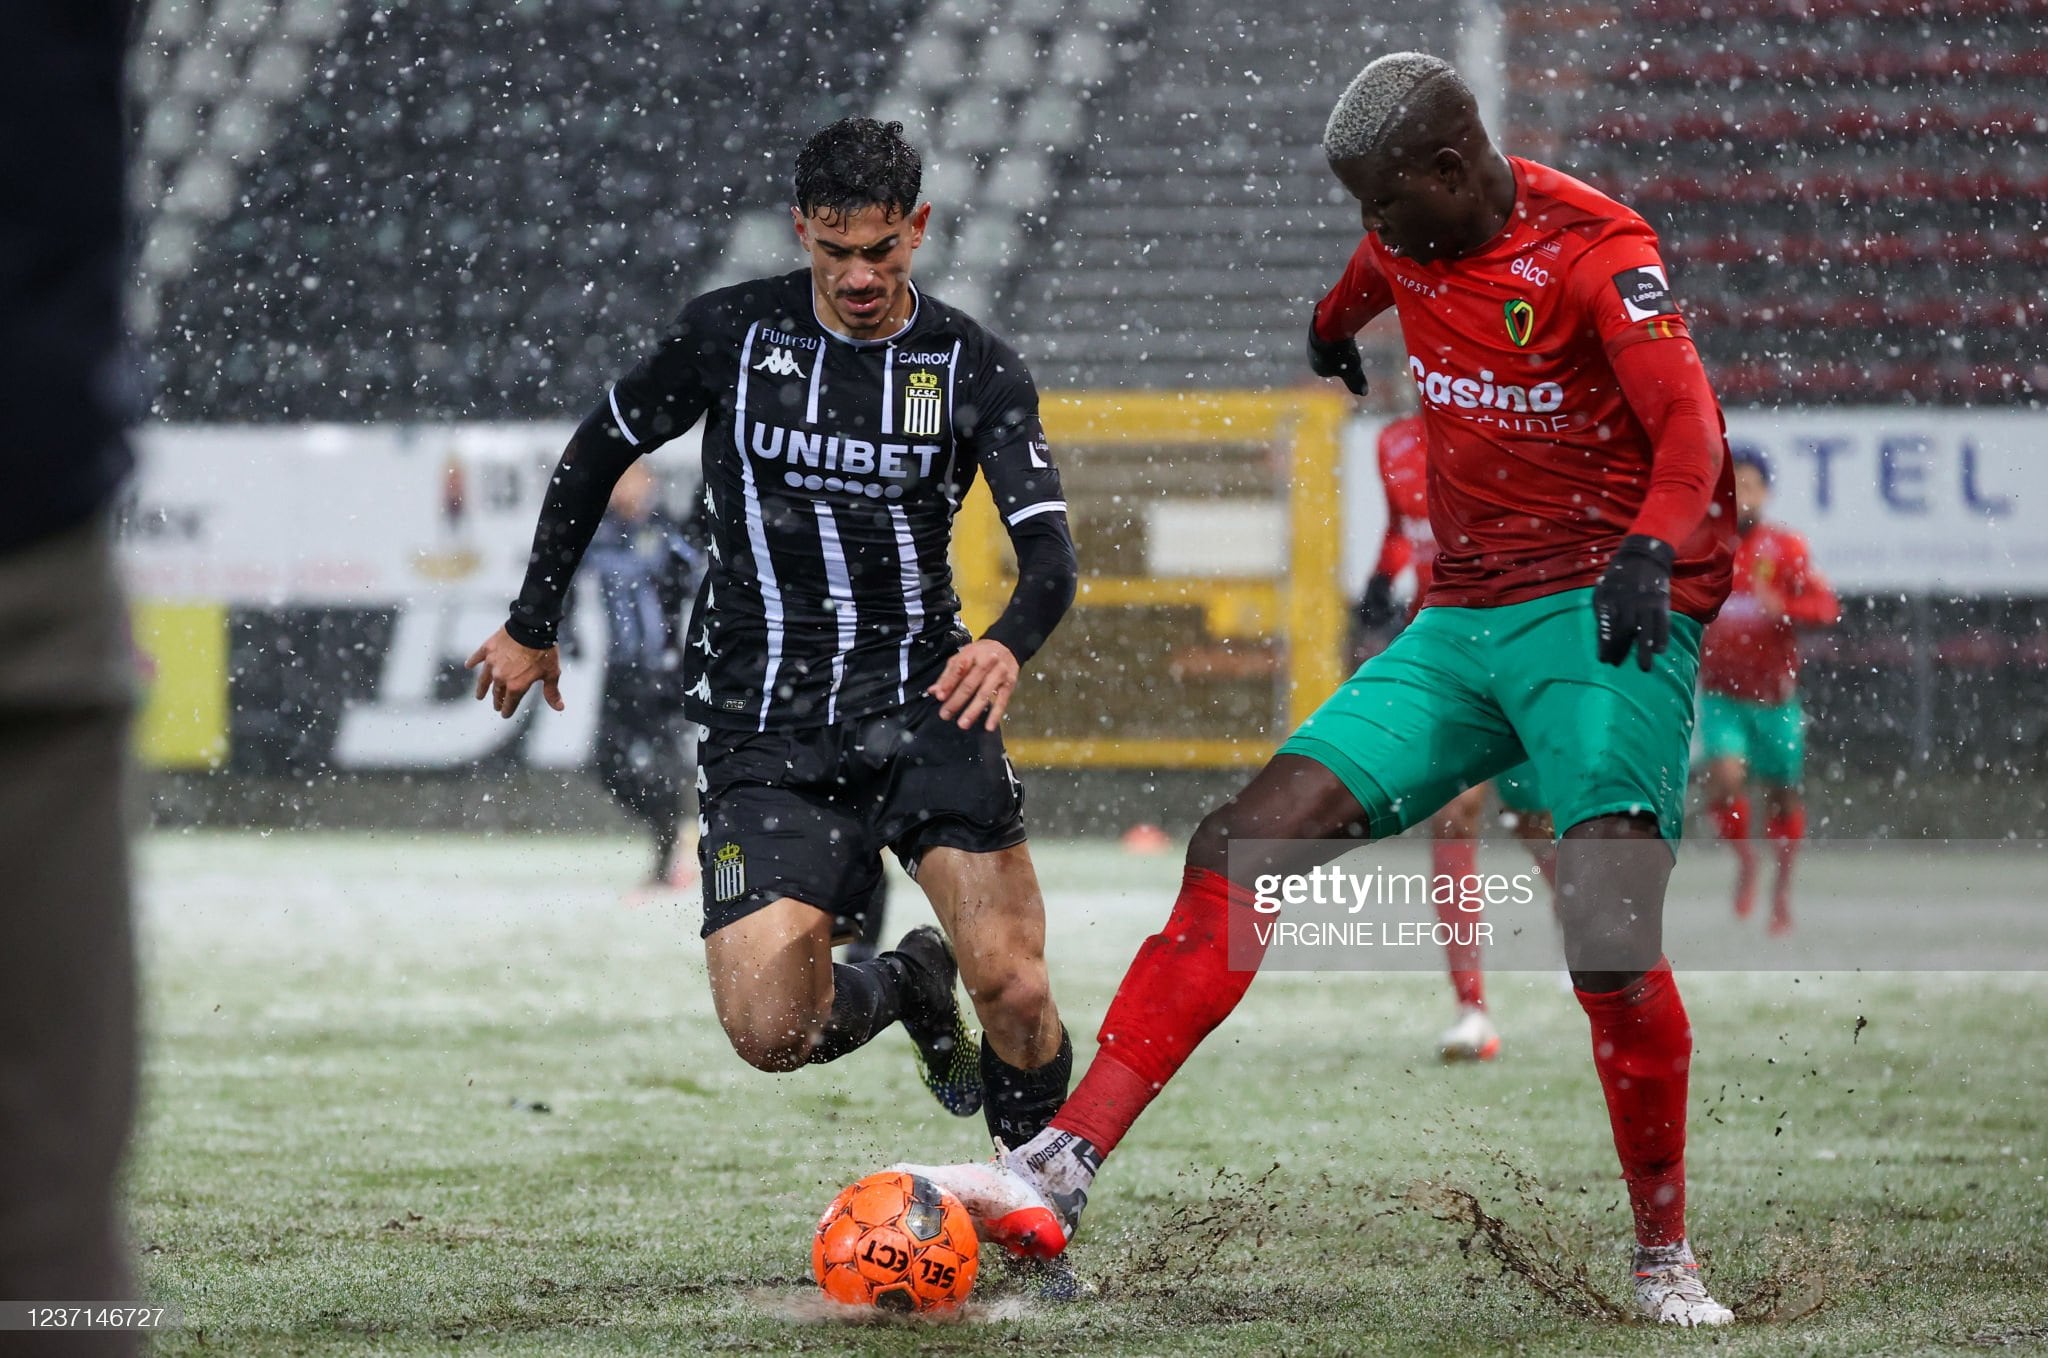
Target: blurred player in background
(1579,485)
(67,963)
(1410,542)
(647,571)
(846,709)
(1752,725)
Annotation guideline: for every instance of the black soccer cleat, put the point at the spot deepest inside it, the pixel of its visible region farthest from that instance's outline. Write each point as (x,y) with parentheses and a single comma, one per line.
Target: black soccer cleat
(948,1058)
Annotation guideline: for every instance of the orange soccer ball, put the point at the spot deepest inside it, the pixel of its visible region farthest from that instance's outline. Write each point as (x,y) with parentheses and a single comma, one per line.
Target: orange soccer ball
(897,1242)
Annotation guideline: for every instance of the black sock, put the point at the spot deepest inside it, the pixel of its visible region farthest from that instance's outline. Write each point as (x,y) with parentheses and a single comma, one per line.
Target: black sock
(866,998)
(1019,1103)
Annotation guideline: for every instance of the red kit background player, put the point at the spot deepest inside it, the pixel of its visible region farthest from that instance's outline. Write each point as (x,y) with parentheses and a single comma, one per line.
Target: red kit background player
(1410,543)
(1752,723)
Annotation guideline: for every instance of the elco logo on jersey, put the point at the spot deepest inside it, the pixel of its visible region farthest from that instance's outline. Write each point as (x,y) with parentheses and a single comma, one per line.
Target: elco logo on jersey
(1645,292)
(780,363)
(923,406)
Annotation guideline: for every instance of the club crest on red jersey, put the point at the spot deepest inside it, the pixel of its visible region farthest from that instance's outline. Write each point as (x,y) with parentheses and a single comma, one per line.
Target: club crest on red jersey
(1521,318)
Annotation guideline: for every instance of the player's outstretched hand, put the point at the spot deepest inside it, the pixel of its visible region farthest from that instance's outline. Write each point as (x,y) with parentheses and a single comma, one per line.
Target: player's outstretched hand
(505,670)
(1632,601)
(1336,358)
(979,678)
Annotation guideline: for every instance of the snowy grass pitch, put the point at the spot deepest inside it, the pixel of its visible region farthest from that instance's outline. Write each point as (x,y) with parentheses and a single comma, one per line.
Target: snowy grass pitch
(441,1095)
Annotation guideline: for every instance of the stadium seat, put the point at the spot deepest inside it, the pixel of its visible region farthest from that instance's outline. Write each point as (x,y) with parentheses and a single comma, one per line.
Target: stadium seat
(1881,152)
(977,119)
(961,16)
(1052,120)
(1081,58)
(1022,183)
(1008,60)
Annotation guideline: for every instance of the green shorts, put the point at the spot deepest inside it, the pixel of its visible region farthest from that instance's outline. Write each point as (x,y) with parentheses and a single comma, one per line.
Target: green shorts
(1465,694)
(1769,737)
(1519,790)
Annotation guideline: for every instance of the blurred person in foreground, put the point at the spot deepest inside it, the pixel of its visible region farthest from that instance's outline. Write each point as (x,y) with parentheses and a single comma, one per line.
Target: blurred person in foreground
(1454,831)
(845,709)
(1752,723)
(1583,509)
(67,968)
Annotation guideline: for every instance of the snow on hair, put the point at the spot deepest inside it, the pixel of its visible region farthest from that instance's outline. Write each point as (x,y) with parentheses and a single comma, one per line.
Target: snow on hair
(1371,106)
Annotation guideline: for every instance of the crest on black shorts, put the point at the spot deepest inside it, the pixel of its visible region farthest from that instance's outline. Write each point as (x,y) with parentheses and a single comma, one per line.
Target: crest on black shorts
(728,873)
(1521,318)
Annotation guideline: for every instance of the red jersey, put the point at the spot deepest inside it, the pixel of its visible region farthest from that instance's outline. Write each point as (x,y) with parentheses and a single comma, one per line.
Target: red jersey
(1404,474)
(1752,650)
(1538,465)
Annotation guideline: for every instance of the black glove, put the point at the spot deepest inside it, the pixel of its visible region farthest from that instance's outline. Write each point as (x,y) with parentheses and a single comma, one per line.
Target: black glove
(1336,358)
(1376,609)
(1632,601)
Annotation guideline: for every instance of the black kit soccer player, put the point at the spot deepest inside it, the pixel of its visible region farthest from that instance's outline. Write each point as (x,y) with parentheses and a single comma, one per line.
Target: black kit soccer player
(844,708)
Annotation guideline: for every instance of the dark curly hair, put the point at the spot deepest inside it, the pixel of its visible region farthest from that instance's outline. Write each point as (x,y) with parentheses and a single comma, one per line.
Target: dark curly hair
(857,163)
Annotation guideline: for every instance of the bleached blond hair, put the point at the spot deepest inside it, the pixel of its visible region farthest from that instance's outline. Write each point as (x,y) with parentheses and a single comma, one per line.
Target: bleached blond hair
(1375,106)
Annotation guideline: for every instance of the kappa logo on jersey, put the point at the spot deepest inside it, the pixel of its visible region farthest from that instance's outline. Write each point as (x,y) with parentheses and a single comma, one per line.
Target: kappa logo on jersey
(1521,318)
(729,872)
(923,406)
(1645,292)
(780,363)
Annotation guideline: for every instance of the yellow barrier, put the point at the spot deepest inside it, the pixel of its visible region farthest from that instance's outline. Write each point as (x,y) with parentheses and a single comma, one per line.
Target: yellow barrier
(1304,609)
(183,653)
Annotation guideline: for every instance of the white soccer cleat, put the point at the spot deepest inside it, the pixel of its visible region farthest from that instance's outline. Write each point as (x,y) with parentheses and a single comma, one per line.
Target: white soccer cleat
(1472,1038)
(1669,1290)
(1008,1204)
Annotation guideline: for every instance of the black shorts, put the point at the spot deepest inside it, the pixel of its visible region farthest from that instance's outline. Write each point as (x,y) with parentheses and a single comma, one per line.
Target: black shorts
(806,813)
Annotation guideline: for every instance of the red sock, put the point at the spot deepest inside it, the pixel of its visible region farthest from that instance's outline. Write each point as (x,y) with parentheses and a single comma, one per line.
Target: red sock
(1642,1047)
(1458,859)
(1785,830)
(1731,818)
(1177,990)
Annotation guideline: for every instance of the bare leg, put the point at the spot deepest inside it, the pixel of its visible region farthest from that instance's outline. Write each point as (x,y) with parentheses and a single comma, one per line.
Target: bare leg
(1785,826)
(1727,800)
(1291,799)
(990,905)
(771,982)
(1612,874)
(1454,854)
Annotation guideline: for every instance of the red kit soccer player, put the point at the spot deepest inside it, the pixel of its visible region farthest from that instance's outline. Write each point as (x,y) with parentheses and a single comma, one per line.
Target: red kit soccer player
(1751,722)
(1584,516)
(1410,543)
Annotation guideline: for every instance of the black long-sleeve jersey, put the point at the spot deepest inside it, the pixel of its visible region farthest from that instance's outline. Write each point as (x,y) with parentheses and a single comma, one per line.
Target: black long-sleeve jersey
(832,471)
